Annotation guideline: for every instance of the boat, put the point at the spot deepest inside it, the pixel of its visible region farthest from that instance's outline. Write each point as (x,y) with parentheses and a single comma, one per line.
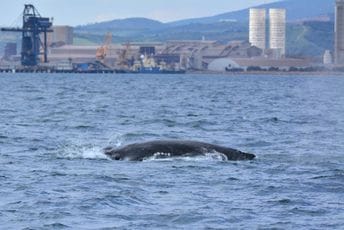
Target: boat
(147,65)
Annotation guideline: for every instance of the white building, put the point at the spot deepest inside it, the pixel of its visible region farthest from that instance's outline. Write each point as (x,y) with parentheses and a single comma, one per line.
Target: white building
(327,59)
(257,27)
(277,31)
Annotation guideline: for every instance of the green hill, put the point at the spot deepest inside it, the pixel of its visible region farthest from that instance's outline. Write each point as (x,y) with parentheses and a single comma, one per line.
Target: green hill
(296,10)
(310,38)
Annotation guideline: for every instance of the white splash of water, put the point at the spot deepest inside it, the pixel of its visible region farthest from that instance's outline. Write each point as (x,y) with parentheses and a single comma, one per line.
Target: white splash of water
(82,152)
(214,156)
(116,140)
(159,156)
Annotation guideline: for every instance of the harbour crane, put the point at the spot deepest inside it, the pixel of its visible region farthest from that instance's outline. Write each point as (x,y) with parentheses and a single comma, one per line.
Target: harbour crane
(124,61)
(103,50)
(33,25)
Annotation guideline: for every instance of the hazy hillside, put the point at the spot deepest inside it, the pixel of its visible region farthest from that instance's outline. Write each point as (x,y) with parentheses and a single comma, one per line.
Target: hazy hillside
(296,10)
(124,24)
(312,38)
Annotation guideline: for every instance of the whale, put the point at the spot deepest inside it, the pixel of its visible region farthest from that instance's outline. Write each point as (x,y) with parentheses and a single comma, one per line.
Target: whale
(173,148)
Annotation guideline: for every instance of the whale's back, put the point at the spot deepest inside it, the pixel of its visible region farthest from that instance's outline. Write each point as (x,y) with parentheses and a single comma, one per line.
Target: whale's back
(173,148)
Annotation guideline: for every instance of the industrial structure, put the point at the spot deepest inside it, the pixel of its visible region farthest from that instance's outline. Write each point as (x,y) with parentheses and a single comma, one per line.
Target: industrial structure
(32,44)
(10,50)
(277,32)
(339,33)
(257,28)
(61,35)
(102,51)
(174,56)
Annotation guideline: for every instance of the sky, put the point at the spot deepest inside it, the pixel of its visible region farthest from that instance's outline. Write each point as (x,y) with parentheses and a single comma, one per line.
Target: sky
(81,12)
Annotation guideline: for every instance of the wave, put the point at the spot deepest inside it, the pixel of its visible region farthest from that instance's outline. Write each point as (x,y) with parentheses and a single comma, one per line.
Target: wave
(73,151)
(215,156)
(83,150)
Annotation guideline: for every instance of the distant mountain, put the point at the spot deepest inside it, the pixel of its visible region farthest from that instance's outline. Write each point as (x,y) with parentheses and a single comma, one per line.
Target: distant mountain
(297,10)
(124,24)
(311,36)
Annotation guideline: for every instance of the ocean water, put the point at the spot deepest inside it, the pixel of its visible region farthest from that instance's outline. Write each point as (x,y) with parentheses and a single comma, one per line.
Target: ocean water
(53,174)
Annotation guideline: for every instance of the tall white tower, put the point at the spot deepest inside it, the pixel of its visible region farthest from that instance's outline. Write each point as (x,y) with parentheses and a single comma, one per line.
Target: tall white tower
(339,33)
(257,36)
(277,31)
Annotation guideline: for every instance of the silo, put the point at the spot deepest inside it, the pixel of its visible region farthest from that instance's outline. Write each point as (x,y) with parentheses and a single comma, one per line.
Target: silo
(62,34)
(339,33)
(277,31)
(257,36)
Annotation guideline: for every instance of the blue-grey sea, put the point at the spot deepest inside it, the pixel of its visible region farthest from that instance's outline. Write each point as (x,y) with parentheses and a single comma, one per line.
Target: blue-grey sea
(53,174)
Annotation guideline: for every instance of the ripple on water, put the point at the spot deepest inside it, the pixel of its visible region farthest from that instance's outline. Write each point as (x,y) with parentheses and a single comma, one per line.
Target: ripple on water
(54,173)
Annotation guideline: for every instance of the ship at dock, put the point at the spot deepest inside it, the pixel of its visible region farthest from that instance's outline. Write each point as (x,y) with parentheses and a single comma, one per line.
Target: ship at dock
(149,63)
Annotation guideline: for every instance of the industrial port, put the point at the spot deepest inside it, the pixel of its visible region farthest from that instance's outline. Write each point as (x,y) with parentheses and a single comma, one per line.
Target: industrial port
(45,47)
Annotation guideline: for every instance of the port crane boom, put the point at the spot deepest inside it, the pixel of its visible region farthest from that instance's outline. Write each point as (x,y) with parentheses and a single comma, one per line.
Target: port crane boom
(33,26)
(103,50)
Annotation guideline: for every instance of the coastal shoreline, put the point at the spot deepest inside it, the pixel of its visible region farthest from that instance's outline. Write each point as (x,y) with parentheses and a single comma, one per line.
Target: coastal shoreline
(271,73)
(255,73)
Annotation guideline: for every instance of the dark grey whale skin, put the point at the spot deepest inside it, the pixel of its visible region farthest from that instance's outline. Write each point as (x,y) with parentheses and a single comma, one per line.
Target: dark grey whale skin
(173,148)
